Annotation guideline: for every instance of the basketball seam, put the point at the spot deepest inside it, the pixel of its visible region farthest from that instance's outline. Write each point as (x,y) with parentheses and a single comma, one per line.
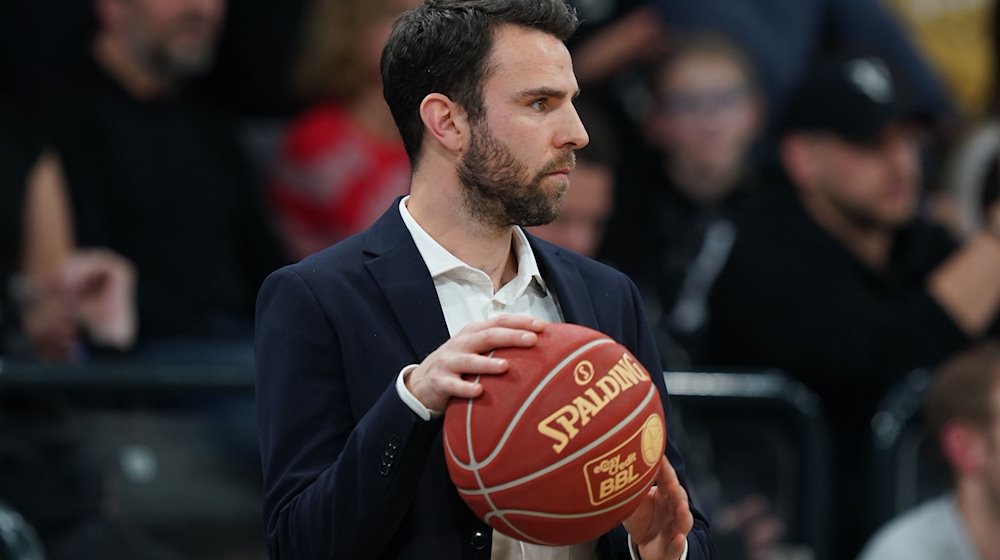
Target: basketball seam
(499,513)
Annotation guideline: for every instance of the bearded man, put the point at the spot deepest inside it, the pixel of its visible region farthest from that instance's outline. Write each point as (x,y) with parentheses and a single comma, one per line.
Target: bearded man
(361,346)
(154,173)
(836,279)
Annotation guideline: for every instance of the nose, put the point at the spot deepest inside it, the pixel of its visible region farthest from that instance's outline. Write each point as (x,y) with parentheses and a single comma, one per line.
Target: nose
(572,134)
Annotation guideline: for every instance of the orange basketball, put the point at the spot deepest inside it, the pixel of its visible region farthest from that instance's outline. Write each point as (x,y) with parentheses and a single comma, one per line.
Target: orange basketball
(558,449)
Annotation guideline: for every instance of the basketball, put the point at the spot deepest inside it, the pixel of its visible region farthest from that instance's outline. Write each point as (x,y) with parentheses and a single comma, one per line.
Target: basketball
(559,449)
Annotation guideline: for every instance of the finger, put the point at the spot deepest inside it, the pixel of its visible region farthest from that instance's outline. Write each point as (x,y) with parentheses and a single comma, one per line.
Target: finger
(667,481)
(475,364)
(496,337)
(510,321)
(456,387)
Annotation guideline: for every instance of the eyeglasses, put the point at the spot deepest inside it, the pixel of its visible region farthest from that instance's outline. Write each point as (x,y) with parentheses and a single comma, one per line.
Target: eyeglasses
(703,103)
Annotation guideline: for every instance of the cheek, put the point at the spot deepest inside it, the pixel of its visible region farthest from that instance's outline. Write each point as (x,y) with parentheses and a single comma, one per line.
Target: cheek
(854,180)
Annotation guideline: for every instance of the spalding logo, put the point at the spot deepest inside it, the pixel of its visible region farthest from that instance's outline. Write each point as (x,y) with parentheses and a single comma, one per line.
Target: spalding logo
(562,424)
(584,372)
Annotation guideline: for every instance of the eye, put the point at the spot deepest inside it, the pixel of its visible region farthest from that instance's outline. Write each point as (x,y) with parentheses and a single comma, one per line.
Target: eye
(539,104)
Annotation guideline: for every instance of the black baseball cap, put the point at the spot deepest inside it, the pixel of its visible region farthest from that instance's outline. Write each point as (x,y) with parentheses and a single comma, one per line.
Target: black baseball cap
(853,97)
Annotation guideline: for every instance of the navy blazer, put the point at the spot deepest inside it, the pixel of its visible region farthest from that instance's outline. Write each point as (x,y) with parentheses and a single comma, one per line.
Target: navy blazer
(349,470)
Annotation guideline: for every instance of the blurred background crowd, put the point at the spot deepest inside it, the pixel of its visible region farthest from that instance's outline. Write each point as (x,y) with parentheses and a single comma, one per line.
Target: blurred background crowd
(803,190)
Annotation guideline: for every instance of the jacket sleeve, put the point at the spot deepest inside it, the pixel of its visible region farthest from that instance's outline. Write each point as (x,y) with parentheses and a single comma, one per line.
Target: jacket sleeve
(331,480)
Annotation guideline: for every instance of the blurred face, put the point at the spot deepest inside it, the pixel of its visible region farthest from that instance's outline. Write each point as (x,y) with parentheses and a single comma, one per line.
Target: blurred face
(586,208)
(871,186)
(176,38)
(707,118)
(516,164)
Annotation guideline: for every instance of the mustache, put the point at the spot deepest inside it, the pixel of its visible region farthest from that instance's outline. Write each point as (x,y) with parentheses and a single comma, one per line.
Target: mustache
(567,161)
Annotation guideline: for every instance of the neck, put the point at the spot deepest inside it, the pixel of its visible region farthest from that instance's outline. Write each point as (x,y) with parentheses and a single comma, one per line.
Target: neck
(369,109)
(870,244)
(138,80)
(979,510)
(443,218)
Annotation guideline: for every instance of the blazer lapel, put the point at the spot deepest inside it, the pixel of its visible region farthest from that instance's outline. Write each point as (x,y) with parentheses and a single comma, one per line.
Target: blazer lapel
(563,276)
(402,275)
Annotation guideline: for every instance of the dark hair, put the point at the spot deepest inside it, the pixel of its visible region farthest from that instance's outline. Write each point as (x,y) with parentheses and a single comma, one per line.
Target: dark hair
(444,46)
(702,43)
(963,388)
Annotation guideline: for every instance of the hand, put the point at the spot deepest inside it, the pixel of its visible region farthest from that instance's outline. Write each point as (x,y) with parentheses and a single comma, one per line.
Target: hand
(661,523)
(102,285)
(439,376)
(48,320)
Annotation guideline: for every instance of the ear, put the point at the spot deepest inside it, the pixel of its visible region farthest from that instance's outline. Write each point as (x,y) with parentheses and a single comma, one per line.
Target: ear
(964,447)
(444,122)
(800,161)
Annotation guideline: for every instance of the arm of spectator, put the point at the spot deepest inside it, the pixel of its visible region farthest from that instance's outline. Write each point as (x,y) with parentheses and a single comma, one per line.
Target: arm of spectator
(47,241)
(48,221)
(637,36)
(967,285)
(868,24)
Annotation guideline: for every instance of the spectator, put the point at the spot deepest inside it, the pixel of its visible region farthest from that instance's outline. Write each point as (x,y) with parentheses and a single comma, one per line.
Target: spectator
(90,292)
(156,176)
(341,162)
(963,413)
(708,114)
(834,278)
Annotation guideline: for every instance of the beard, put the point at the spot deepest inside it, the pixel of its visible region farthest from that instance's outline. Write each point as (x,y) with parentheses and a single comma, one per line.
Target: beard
(170,55)
(499,190)
(868,219)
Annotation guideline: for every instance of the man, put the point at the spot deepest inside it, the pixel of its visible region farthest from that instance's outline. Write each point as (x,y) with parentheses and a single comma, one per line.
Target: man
(156,175)
(674,233)
(355,363)
(834,278)
(963,414)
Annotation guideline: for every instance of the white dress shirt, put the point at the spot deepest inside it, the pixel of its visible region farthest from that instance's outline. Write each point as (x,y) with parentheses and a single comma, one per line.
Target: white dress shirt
(466,295)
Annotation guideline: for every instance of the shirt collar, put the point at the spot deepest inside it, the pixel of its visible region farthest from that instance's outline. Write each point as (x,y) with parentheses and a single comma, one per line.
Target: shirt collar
(440,261)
